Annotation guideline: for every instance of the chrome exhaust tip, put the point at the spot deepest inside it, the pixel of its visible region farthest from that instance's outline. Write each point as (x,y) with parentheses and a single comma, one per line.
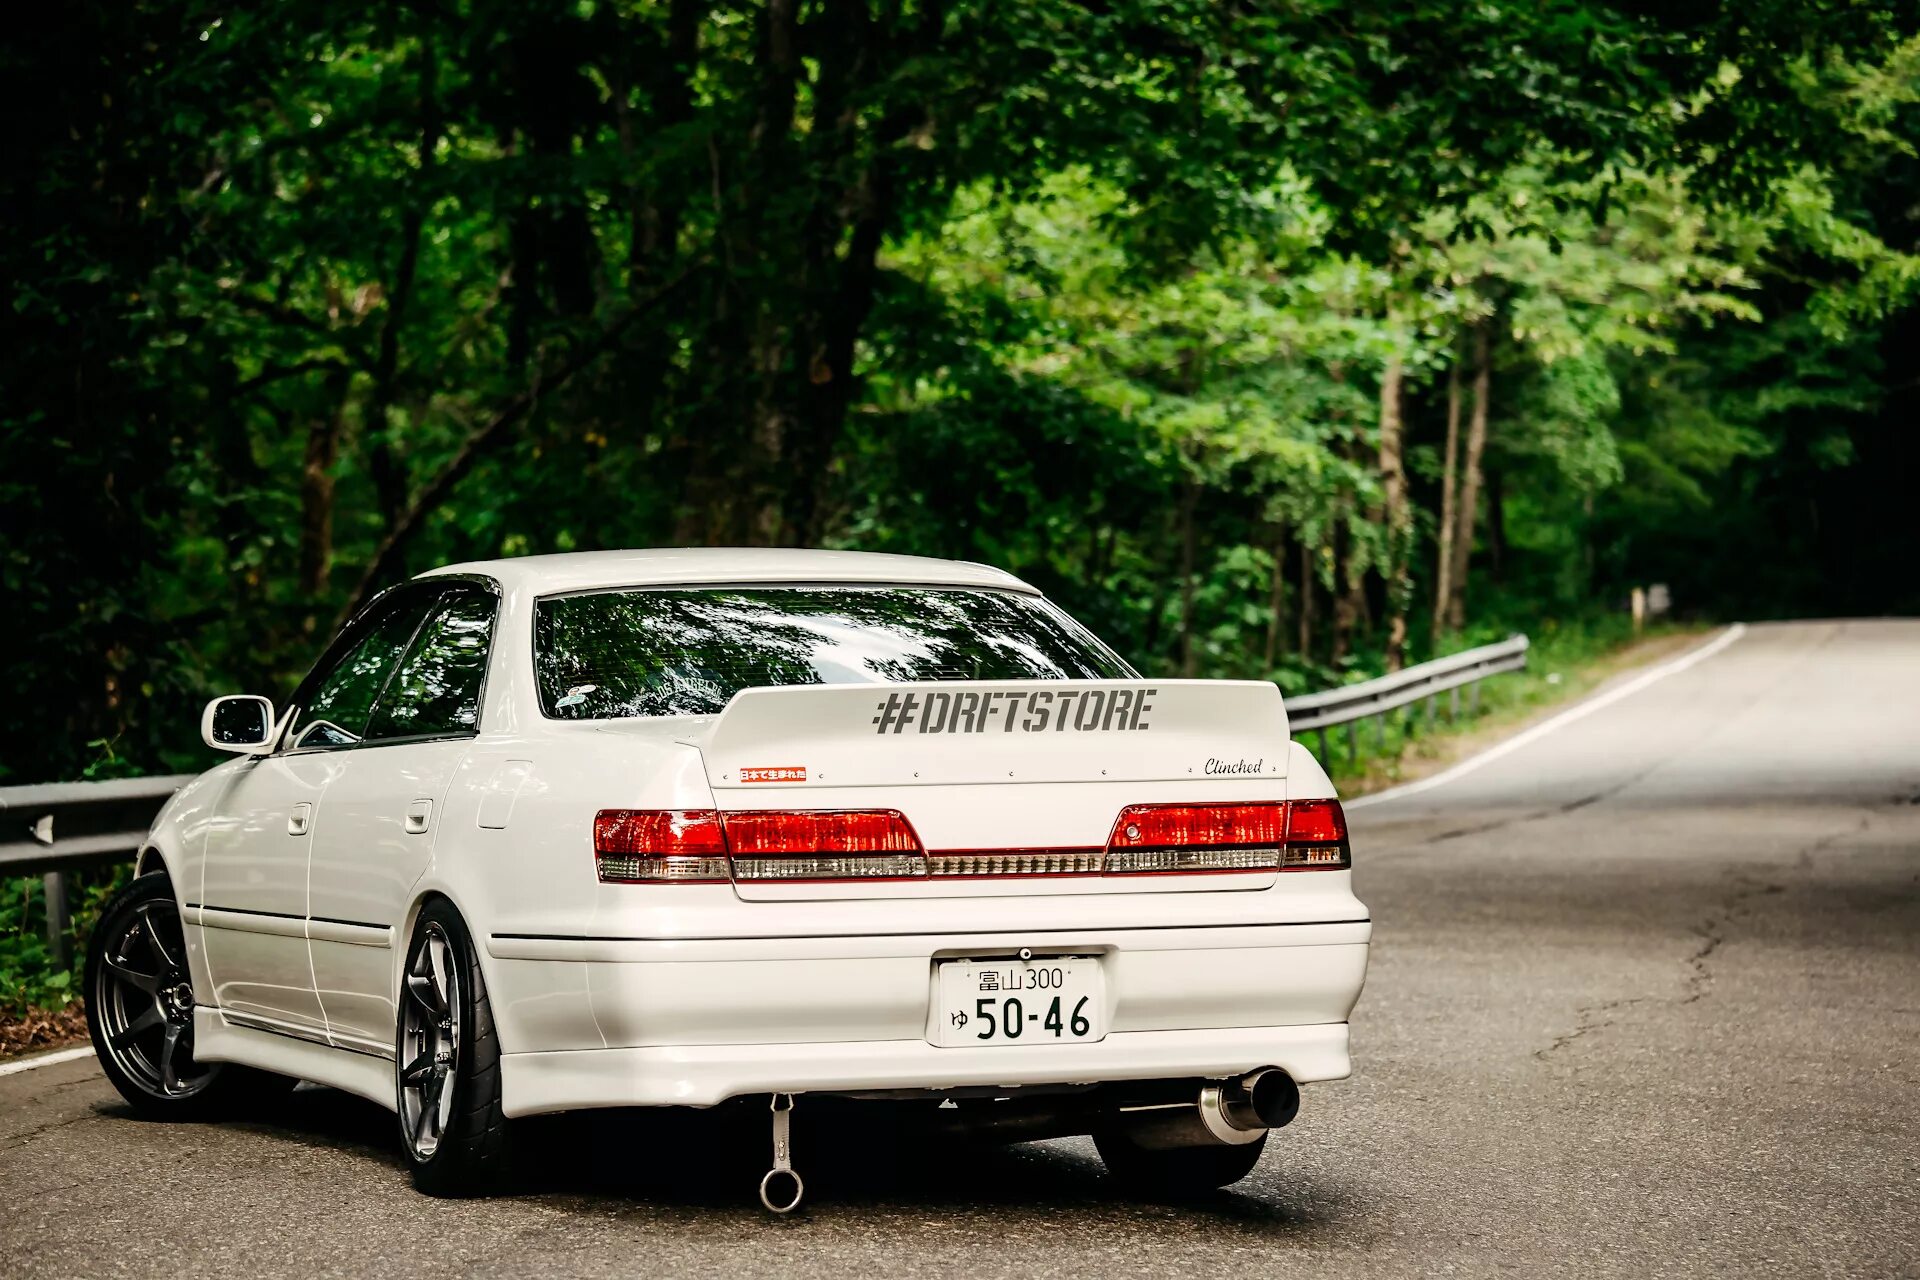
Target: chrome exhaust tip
(1264,1099)
(1231,1113)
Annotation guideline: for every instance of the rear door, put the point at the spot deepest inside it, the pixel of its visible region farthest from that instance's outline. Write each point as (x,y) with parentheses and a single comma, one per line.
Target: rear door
(382,813)
(1013,787)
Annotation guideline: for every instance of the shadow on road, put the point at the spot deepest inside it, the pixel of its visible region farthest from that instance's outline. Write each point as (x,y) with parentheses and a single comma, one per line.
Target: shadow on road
(870,1157)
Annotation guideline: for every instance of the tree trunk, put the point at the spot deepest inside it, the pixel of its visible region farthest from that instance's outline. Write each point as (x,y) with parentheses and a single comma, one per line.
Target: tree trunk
(1470,475)
(1449,481)
(316,487)
(1189,506)
(1398,519)
(1496,522)
(1349,585)
(1305,648)
(389,477)
(1277,598)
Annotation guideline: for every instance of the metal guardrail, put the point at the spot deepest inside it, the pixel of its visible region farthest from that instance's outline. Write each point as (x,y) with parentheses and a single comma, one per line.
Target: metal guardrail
(1373,699)
(61,825)
(57,827)
(53,828)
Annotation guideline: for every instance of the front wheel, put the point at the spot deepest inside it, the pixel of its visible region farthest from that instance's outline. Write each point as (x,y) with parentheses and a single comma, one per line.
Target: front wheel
(1175,1171)
(447,1062)
(140,1013)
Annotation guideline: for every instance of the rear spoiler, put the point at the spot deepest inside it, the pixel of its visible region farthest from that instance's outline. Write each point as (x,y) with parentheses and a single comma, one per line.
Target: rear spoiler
(963,732)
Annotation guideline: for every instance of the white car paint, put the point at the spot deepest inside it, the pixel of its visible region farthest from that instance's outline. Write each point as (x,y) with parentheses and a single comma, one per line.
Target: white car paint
(630,994)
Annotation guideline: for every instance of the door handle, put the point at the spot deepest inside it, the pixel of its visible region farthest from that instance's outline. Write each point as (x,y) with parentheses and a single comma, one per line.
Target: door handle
(299,819)
(419,815)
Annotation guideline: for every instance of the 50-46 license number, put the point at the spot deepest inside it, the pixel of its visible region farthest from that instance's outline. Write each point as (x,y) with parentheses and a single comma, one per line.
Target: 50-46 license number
(1010,1020)
(1020,1002)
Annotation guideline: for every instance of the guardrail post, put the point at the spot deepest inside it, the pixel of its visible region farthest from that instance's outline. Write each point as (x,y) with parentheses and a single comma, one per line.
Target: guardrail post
(1453,704)
(59,920)
(1433,707)
(1353,744)
(1473,699)
(1324,757)
(1380,731)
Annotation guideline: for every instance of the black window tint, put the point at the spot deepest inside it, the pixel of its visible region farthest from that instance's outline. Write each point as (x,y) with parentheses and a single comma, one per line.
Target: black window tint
(437,687)
(336,712)
(667,652)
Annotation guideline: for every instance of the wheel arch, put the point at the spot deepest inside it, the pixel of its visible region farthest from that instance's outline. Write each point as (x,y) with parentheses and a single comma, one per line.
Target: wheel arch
(424,895)
(150,859)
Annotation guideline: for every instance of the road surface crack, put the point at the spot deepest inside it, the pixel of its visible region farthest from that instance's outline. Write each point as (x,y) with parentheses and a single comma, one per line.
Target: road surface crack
(14,1141)
(1590,1018)
(1712,933)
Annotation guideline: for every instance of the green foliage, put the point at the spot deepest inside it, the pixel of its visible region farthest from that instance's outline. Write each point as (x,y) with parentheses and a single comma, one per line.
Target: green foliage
(29,978)
(307,297)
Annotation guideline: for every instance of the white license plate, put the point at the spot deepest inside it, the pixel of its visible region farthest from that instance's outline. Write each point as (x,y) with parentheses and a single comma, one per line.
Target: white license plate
(992,1002)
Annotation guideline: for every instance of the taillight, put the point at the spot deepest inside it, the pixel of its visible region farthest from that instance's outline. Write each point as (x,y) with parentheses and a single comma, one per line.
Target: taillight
(1197,837)
(860,844)
(1316,836)
(702,846)
(1267,836)
(659,846)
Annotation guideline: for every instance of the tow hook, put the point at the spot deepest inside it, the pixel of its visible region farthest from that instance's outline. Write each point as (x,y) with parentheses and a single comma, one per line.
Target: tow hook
(774,1184)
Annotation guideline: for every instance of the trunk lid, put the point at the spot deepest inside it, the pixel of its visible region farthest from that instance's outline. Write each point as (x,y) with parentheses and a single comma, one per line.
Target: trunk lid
(999,777)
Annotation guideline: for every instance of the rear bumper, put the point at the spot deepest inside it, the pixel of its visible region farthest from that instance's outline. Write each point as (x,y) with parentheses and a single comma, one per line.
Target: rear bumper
(589,1022)
(703,1075)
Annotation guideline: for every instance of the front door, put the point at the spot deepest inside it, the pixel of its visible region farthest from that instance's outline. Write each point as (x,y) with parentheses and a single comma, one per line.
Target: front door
(382,816)
(254,896)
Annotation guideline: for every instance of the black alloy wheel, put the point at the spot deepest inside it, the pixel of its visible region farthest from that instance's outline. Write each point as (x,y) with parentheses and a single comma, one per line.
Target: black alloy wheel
(447,1062)
(430,1026)
(140,1007)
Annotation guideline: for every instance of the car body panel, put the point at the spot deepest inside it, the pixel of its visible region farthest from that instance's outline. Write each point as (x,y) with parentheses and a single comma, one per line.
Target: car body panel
(367,857)
(257,854)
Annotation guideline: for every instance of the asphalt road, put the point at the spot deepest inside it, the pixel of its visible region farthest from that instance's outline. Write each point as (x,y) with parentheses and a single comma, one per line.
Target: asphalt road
(1645,999)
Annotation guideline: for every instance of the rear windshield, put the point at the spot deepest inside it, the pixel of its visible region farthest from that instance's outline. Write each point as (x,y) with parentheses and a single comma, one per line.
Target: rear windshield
(664,652)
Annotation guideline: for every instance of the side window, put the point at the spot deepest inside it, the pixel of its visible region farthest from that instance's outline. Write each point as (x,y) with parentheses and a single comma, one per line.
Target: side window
(337,710)
(436,689)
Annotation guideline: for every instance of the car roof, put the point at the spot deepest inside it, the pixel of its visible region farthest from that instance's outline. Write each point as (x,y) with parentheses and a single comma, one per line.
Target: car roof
(682,566)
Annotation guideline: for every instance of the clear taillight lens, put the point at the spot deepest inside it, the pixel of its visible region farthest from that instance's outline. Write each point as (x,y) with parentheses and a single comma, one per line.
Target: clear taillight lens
(1267,836)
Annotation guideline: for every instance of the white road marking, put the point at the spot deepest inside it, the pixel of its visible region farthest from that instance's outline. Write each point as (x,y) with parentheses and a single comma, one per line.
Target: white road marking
(46,1060)
(1577,712)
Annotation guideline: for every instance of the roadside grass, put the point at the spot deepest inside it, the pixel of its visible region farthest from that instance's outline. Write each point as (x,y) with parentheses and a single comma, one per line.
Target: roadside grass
(1565,662)
(40,1001)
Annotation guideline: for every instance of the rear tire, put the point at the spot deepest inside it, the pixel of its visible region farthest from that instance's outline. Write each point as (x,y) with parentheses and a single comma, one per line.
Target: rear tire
(1175,1171)
(140,1007)
(447,1063)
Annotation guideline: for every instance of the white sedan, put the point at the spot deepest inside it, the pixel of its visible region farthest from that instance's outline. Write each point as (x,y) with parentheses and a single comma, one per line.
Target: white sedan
(676,828)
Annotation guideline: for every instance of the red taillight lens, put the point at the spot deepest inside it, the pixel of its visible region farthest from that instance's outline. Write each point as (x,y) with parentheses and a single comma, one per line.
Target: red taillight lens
(1153,825)
(1317,834)
(1269,836)
(860,844)
(702,846)
(659,846)
(1197,837)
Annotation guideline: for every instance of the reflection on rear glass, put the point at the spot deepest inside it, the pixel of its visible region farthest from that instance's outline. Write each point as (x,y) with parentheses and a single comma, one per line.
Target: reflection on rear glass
(665,652)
